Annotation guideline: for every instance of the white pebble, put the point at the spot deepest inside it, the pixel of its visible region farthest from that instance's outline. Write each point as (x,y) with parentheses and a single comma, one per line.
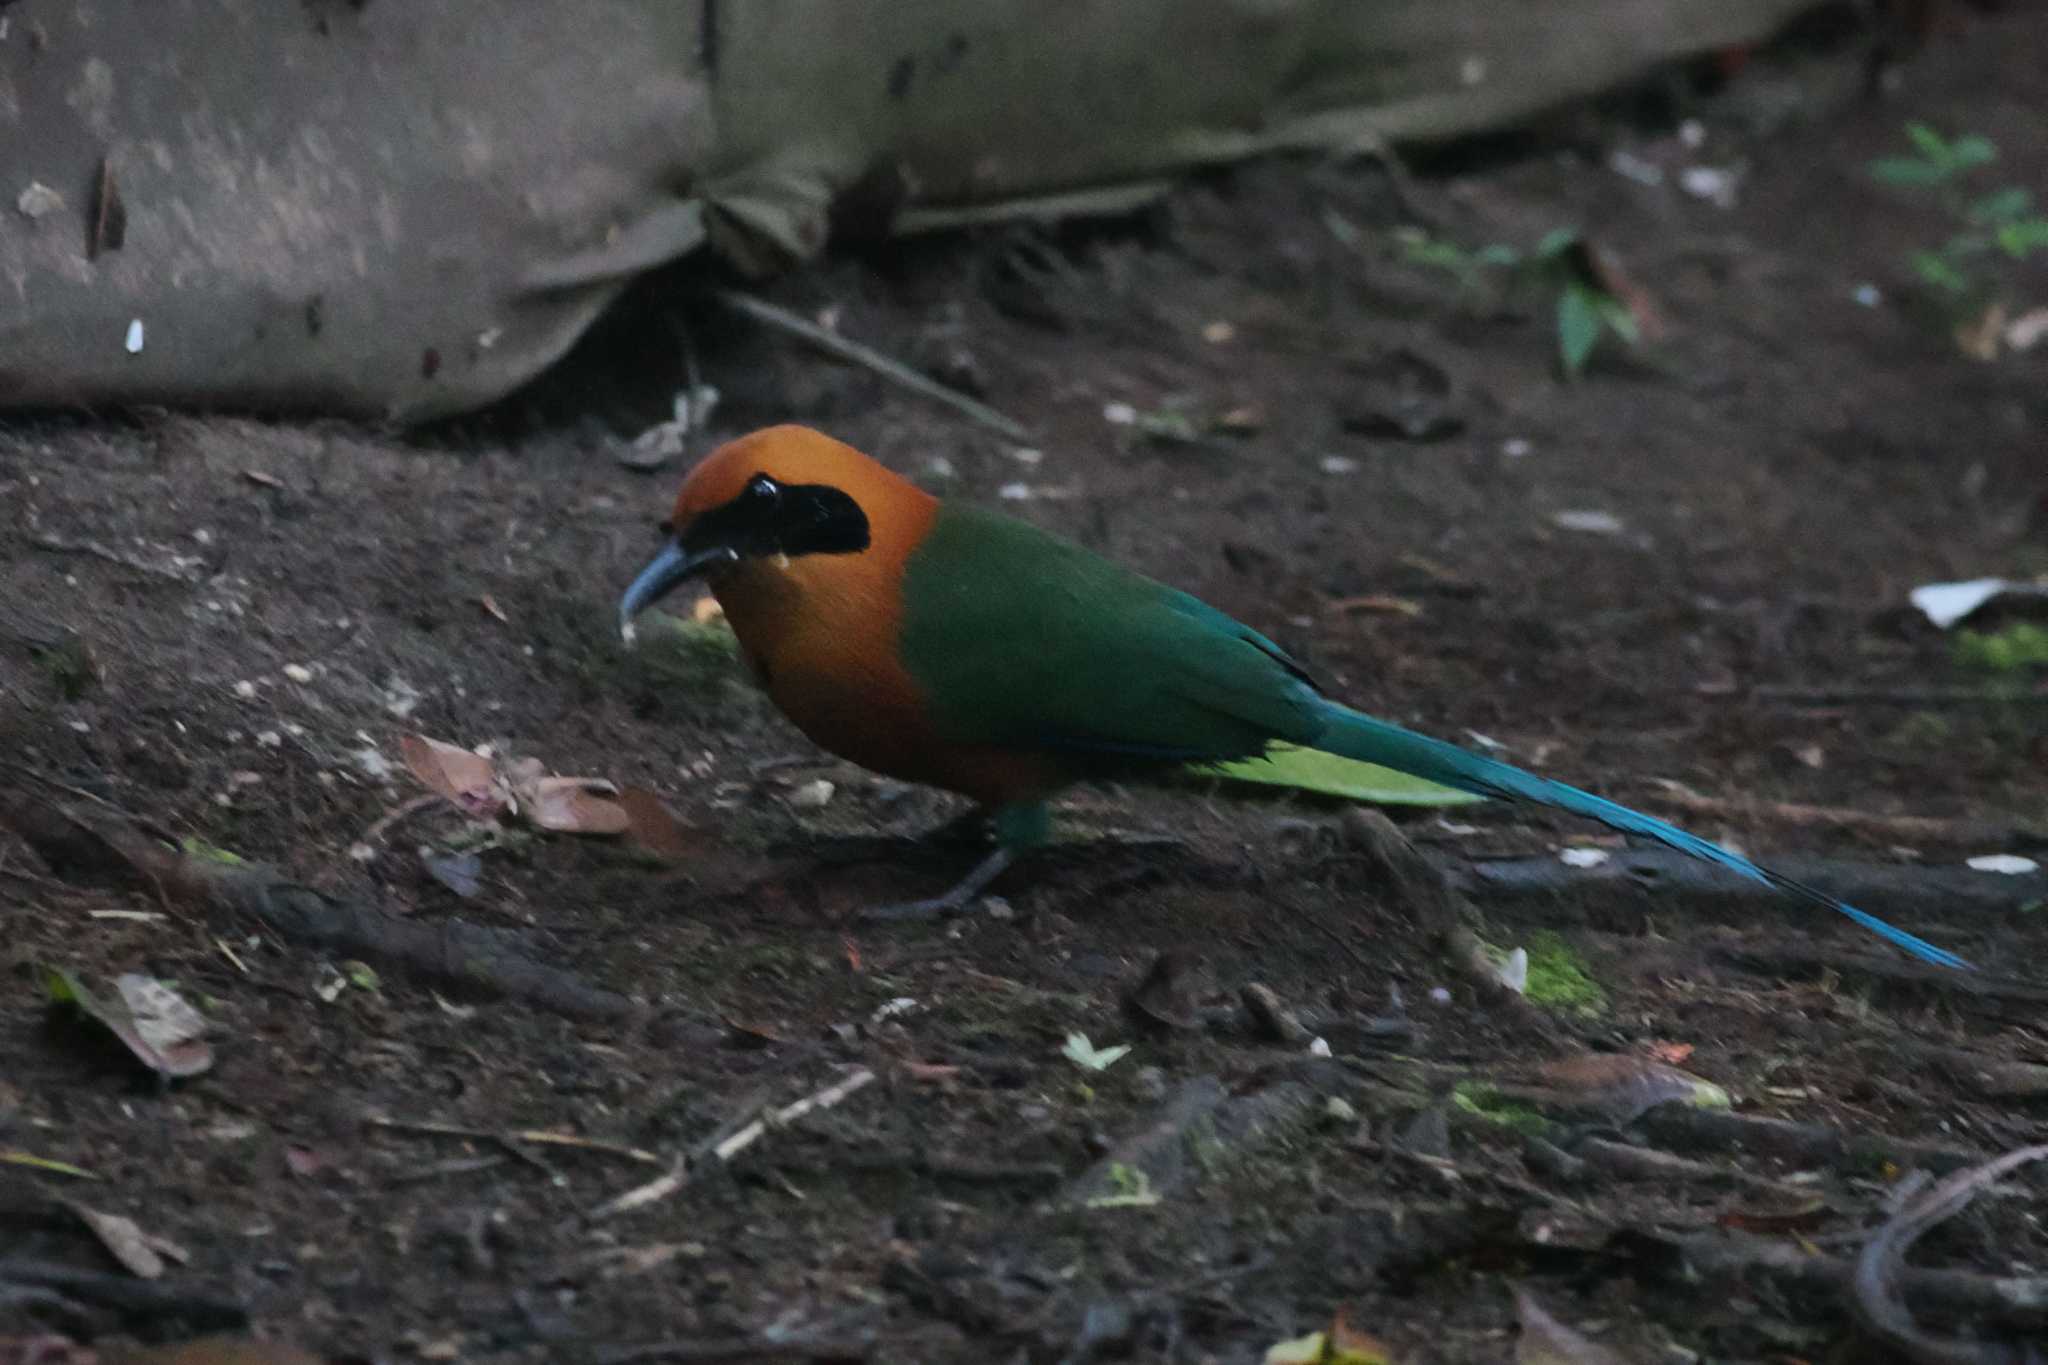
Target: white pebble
(812,795)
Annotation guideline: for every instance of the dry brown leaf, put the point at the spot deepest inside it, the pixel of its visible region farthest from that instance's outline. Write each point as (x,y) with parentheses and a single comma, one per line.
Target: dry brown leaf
(468,780)
(575,805)
(653,827)
(139,1253)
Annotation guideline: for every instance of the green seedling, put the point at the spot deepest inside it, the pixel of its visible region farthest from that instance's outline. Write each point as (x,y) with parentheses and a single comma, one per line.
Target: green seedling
(1559,265)
(2001,220)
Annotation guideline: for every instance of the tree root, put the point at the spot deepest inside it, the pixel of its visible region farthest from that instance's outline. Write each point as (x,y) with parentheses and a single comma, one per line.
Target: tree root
(105,849)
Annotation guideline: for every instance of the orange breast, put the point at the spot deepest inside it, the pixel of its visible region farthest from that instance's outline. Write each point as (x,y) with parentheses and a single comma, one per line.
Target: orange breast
(821,632)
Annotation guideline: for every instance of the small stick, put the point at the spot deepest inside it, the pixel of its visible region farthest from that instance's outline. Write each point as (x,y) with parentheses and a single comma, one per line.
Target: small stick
(391,817)
(760,310)
(540,1135)
(58,545)
(747,1135)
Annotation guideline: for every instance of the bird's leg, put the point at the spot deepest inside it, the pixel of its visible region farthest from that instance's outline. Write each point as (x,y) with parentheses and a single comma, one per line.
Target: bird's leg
(1019,826)
(955,900)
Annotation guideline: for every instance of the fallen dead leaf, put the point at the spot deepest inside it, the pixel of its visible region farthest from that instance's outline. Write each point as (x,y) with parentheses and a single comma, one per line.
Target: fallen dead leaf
(139,1252)
(575,805)
(468,780)
(156,1026)
(1616,1086)
(651,826)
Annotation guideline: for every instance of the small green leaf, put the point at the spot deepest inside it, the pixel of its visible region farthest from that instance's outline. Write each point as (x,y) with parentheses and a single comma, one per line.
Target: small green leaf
(1555,243)
(1619,320)
(205,852)
(1498,254)
(1931,144)
(362,976)
(2021,239)
(1973,150)
(2002,206)
(1311,770)
(1934,268)
(1579,325)
(1908,171)
(1089,1057)
(1347,233)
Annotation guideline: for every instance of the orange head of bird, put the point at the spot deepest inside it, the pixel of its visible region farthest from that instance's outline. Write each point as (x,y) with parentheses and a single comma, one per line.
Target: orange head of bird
(782,492)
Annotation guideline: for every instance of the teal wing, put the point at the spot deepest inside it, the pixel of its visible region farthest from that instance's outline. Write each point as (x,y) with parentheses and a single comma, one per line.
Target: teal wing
(1023,639)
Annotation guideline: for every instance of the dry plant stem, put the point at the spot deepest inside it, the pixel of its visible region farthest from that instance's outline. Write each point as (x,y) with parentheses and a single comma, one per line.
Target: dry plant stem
(895,371)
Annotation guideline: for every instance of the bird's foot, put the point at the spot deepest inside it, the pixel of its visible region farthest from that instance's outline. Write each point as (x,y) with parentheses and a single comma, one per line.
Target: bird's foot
(953,902)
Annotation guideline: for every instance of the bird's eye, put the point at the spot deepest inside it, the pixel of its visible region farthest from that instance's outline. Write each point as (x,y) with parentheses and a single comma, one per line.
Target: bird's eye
(667,528)
(761,487)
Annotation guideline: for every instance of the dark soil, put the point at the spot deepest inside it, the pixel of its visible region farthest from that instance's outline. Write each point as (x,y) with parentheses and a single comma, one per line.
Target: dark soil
(1780,469)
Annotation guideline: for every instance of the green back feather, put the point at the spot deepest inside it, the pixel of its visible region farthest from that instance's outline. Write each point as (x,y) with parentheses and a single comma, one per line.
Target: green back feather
(1023,639)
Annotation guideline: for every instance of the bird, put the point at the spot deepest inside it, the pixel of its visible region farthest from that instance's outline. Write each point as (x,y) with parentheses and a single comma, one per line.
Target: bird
(947,644)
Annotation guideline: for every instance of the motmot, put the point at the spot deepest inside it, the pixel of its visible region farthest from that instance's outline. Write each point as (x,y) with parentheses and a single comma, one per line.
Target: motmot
(950,645)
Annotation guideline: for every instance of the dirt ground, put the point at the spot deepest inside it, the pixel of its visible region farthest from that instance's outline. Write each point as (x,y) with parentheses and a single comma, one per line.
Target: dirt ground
(222,628)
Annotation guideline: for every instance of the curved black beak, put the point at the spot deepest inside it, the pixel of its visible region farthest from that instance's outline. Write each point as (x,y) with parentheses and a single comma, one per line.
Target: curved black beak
(667,571)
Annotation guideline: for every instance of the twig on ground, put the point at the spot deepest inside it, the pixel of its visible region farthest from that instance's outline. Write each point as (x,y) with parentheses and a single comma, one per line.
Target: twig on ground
(1628,1162)
(460,1165)
(95,550)
(1687,1127)
(1991,1077)
(1909,828)
(1876,1297)
(391,817)
(135,1299)
(510,1139)
(107,850)
(2010,1301)
(760,310)
(731,1146)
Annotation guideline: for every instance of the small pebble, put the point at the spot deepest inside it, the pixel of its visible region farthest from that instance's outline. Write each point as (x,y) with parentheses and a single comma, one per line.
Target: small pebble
(812,795)
(298,673)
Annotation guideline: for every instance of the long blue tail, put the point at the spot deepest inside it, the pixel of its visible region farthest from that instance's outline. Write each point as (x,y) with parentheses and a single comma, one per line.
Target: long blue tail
(1354,734)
